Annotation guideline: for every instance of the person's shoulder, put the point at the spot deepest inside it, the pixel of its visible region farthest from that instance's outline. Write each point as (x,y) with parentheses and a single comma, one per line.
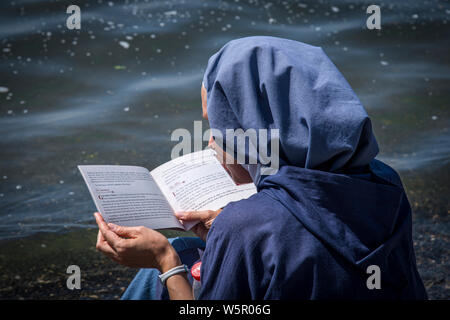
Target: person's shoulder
(385,172)
(247,214)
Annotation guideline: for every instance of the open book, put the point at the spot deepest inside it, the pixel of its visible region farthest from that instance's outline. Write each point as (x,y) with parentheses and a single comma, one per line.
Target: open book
(134,196)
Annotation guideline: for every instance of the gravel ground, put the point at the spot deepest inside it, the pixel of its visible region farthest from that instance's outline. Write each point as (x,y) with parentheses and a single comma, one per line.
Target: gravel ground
(35,267)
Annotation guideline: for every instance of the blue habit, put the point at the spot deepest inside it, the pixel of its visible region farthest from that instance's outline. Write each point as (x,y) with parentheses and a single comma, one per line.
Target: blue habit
(318,226)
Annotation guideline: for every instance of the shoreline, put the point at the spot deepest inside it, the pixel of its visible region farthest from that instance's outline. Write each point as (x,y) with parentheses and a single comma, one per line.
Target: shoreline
(35,267)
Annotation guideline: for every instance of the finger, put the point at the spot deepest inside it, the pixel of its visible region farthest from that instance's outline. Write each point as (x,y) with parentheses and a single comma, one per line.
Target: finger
(110,237)
(200,231)
(106,249)
(194,215)
(128,232)
(103,245)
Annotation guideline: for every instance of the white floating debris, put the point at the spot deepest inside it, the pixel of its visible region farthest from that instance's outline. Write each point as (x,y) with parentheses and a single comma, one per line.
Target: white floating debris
(6,50)
(61,181)
(156,116)
(18,187)
(334,9)
(3,89)
(5,177)
(124,44)
(415,16)
(170,13)
(71,193)
(129,38)
(434,117)
(25,111)
(384,63)
(272,20)
(126,109)
(43,245)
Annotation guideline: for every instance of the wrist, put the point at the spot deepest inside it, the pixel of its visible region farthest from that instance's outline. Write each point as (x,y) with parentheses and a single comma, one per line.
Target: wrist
(169,260)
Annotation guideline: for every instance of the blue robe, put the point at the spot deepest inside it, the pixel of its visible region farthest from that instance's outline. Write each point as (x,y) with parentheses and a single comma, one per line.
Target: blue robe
(331,210)
(312,235)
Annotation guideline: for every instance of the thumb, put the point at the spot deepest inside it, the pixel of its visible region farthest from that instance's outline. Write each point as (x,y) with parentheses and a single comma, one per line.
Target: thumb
(193,215)
(121,231)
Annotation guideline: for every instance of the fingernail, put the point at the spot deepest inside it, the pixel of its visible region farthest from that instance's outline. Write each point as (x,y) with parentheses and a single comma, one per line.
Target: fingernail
(112,226)
(179,215)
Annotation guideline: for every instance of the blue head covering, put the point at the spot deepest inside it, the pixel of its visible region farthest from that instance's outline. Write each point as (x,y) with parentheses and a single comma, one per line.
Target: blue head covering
(273,83)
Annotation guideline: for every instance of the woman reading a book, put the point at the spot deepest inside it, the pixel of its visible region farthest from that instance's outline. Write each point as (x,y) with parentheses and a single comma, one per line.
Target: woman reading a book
(332,223)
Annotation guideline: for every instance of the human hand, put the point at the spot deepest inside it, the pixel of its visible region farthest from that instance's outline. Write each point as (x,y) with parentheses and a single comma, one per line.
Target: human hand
(136,247)
(206,219)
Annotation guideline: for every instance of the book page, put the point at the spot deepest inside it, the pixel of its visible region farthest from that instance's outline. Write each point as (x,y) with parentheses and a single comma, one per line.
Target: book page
(129,196)
(198,181)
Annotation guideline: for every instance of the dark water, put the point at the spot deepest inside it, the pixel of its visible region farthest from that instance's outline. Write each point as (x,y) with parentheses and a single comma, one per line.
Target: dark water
(112,92)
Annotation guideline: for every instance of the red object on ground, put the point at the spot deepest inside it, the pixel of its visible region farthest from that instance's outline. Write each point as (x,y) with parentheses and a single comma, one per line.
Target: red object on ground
(195,271)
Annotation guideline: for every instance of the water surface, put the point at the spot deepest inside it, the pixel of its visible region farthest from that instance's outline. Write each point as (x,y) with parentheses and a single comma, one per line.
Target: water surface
(112,92)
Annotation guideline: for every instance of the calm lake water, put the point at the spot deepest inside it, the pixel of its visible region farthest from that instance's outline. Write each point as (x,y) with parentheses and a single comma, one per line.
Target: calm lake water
(112,92)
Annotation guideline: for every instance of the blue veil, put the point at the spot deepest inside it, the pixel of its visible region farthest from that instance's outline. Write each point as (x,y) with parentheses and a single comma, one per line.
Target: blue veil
(273,83)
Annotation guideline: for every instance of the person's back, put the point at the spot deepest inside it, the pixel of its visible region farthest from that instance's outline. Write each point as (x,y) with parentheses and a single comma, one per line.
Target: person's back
(312,235)
(332,222)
